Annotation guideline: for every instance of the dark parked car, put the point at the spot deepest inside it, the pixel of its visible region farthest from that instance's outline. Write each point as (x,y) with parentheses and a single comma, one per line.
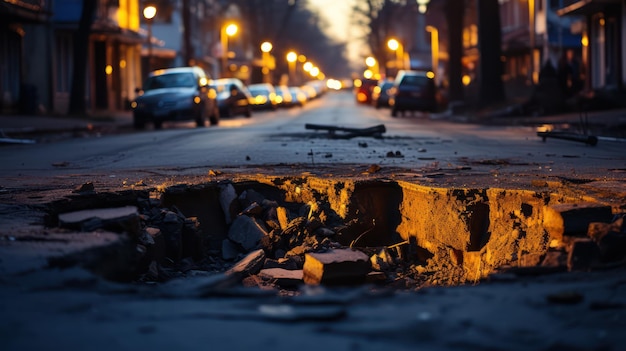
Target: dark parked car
(263,96)
(284,97)
(380,94)
(363,90)
(175,94)
(413,91)
(233,98)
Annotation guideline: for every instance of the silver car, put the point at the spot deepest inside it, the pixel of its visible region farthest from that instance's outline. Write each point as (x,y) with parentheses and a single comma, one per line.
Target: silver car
(175,94)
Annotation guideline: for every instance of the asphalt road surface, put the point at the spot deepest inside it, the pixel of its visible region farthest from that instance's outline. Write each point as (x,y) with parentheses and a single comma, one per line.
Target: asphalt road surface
(72,309)
(414,142)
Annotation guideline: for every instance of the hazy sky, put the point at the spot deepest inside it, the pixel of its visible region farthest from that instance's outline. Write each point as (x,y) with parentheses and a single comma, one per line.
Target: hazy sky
(338,13)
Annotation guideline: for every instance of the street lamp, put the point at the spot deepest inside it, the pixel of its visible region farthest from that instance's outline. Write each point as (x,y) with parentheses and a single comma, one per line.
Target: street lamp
(434,50)
(422,5)
(292,57)
(307,66)
(396,46)
(372,64)
(531,38)
(266,47)
(227,31)
(148,13)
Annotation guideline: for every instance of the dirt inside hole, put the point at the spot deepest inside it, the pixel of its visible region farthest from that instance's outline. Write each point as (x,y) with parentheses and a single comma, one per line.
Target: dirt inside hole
(409,236)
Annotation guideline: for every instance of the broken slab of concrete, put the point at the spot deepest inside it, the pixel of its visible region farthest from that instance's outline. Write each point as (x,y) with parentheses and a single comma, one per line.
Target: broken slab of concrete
(573,219)
(336,267)
(117,219)
(247,232)
(283,277)
(228,195)
(251,264)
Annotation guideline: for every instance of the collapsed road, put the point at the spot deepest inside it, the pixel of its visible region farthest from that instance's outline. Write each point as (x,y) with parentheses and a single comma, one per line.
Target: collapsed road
(427,240)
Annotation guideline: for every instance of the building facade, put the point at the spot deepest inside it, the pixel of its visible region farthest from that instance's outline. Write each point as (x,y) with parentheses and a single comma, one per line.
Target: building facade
(24,33)
(604,51)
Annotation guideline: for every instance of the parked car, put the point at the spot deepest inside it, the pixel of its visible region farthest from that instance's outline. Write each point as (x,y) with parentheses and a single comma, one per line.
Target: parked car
(283,96)
(310,92)
(175,94)
(299,97)
(233,98)
(263,96)
(413,91)
(380,94)
(363,90)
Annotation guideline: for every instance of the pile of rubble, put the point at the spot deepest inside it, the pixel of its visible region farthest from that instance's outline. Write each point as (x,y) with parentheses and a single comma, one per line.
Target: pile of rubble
(283,246)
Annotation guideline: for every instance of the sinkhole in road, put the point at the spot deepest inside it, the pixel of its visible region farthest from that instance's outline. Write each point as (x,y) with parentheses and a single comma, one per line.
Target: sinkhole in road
(408,235)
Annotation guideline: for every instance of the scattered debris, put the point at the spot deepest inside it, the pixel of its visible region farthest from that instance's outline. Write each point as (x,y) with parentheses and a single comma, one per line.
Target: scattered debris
(587,139)
(373,169)
(348,133)
(396,154)
(85,188)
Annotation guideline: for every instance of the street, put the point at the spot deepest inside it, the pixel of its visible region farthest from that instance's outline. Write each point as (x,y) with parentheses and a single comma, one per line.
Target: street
(280,137)
(429,177)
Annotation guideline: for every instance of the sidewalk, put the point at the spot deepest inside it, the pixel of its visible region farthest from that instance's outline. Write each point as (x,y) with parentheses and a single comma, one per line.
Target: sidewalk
(26,124)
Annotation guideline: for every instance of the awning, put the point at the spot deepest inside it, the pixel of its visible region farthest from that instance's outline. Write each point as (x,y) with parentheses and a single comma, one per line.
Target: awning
(585,7)
(163,53)
(23,12)
(111,30)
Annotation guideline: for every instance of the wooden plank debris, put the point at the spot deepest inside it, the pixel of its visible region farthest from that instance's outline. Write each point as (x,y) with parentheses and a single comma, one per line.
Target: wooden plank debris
(348,133)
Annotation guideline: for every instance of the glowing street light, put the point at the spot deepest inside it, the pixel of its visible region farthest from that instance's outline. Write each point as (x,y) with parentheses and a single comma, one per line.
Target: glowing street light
(292,57)
(266,47)
(434,50)
(422,5)
(148,13)
(396,46)
(372,65)
(314,72)
(307,66)
(227,31)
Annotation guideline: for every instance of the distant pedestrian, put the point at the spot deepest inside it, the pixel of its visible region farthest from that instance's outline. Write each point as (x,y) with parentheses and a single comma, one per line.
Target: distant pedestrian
(568,74)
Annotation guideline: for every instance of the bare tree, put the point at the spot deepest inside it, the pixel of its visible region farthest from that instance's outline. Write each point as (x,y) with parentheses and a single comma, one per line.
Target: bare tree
(77,105)
(455,14)
(490,48)
(290,25)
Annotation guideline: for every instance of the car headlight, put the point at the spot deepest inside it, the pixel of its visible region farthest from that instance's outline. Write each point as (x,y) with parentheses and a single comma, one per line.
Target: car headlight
(138,105)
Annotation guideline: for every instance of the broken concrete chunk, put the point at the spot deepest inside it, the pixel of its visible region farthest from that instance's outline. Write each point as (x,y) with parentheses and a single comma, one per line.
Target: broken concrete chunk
(247,232)
(227,196)
(118,219)
(583,254)
(230,250)
(251,264)
(283,217)
(283,277)
(382,261)
(573,219)
(336,267)
(597,230)
(285,263)
(254,209)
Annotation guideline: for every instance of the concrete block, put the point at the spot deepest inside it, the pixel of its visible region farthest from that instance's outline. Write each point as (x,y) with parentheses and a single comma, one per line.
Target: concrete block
(573,219)
(283,277)
(336,267)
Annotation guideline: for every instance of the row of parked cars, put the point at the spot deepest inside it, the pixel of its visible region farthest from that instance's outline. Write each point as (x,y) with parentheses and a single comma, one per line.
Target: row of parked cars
(410,90)
(188,93)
